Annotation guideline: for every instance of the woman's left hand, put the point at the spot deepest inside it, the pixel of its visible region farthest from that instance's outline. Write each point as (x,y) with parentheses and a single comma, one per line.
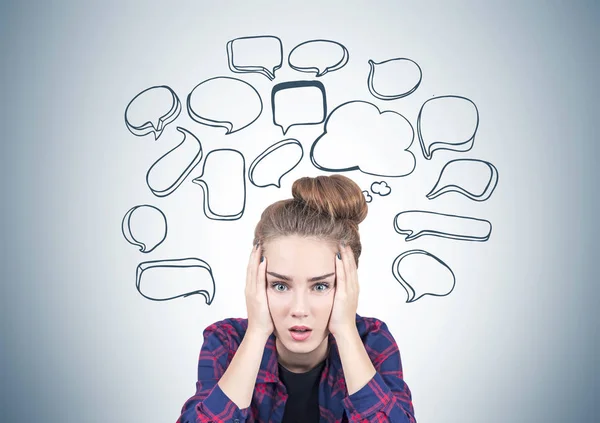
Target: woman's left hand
(345,303)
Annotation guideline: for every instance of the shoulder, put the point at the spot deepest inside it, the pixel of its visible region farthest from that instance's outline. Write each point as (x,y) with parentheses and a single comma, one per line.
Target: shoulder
(229,332)
(375,333)
(370,325)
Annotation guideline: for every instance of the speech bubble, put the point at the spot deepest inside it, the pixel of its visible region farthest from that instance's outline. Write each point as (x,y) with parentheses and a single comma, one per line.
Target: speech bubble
(417,223)
(421,273)
(162,280)
(144,226)
(152,110)
(224,102)
(171,169)
(381,188)
(357,136)
(223,183)
(298,103)
(447,123)
(475,179)
(319,56)
(261,54)
(275,162)
(393,78)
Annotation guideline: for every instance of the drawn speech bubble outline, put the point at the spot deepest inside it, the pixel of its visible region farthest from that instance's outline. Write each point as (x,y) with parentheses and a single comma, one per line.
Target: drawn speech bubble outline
(224,102)
(313,51)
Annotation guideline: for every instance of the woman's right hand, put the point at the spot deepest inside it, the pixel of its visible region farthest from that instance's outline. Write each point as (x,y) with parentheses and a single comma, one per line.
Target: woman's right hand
(259,316)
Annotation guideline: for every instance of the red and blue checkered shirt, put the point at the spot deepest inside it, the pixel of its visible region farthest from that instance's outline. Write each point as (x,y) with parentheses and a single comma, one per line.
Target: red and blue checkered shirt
(385,398)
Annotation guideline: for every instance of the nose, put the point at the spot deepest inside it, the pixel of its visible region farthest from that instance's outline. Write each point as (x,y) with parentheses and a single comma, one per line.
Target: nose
(299,304)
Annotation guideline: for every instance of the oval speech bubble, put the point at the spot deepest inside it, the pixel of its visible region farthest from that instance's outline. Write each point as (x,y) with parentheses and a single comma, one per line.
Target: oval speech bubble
(393,78)
(224,102)
(152,110)
(320,56)
(275,162)
(421,273)
(144,226)
(475,179)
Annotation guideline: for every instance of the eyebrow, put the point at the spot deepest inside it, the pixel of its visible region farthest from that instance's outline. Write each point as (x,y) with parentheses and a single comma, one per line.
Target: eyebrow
(287,278)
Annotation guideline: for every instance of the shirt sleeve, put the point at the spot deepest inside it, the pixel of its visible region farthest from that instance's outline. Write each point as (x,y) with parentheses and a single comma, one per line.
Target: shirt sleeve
(386,397)
(210,404)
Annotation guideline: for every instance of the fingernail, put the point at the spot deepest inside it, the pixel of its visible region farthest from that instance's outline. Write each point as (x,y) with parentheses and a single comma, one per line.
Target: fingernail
(339,256)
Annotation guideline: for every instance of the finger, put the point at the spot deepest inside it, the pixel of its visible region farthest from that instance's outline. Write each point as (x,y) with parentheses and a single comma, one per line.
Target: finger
(340,273)
(252,264)
(261,277)
(261,261)
(349,269)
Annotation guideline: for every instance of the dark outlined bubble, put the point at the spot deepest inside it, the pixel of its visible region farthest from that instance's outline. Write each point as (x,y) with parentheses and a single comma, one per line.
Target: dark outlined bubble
(381,188)
(152,110)
(447,123)
(421,273)
(171,169)
(343,146)
(475,179)
(224,102)
(394,78)
(144,226)
(417,223)
(318,56)
(223,183)
(275,162)
(368,197)
(163,280)
(298,103)
(261,54)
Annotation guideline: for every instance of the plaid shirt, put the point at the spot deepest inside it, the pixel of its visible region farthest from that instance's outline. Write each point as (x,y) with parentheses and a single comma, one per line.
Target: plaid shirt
(385,398)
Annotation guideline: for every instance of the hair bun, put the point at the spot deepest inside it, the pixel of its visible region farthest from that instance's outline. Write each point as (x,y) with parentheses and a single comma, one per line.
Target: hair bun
(335,195)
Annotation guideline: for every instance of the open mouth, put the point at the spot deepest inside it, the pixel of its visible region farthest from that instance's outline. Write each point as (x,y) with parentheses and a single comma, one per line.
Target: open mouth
(300,334)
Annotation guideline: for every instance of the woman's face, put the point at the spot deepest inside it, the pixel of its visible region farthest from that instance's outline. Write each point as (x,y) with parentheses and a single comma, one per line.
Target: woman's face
(300,290)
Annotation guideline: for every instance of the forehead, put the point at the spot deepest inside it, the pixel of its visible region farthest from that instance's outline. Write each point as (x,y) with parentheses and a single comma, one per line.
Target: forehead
(299,257)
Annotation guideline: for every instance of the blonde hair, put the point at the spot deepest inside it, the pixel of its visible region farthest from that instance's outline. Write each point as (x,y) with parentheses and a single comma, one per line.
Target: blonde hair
(325,207)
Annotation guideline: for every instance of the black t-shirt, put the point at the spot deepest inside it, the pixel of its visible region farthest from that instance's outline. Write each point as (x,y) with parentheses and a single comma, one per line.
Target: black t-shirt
(302,405)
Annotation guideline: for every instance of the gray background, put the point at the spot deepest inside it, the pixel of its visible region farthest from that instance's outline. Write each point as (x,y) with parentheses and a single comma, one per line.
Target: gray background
(517,339)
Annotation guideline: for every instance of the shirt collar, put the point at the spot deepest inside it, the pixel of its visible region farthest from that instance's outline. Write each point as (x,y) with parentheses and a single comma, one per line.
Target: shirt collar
(269,370)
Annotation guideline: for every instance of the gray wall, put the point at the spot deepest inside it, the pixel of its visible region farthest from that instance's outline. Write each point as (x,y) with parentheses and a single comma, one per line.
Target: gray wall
(517,338)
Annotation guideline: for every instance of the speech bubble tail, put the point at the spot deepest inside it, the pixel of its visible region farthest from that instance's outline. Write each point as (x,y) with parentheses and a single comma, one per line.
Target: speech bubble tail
(269,74)
(410,236)
(319,73)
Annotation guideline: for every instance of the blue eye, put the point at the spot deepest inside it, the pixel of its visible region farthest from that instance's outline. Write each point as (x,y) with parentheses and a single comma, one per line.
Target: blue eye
(275,284)
(325,286)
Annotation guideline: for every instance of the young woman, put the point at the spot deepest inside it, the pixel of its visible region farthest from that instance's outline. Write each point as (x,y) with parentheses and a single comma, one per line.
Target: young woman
(303,354)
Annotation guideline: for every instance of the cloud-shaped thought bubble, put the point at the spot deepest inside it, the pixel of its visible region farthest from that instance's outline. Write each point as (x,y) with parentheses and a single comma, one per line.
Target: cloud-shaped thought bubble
(262,54)
(144,226)
(447,123)
(170,170)
(368,197)
(421,273)
(152,110)
(275,162)
(319,56)
(162,280)
(417,223)
(381,188)
(475,179)
(393,78)
(359,137)
(224,102)
(298,103)
(223,182)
